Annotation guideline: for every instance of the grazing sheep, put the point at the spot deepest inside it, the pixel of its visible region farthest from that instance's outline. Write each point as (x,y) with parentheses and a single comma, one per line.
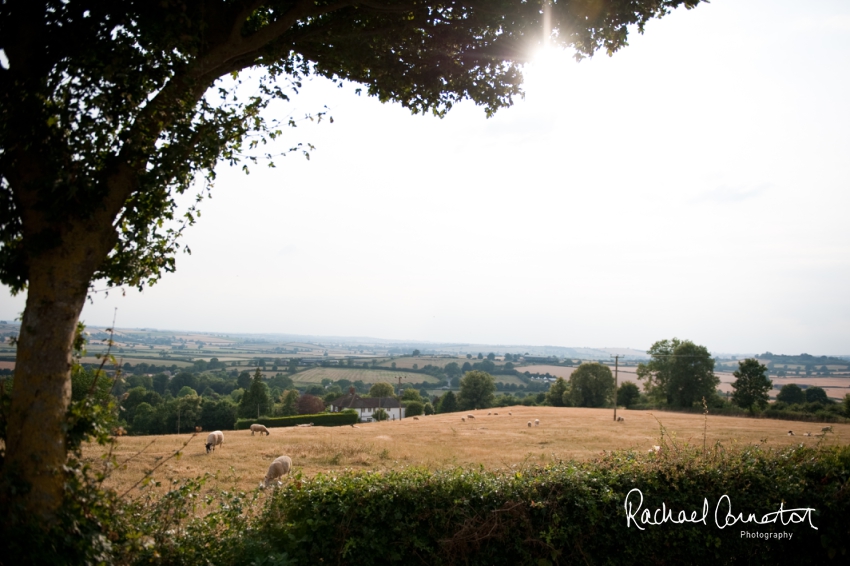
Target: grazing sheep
(510,413)
(807,434)
(488,414)
(415,418)
(529,424)
(470,417)
(536,422)
(790,433)
(279,468)
(621,420)
(259,428)
(495,414)
(214,439)
(826,429)
(308,424)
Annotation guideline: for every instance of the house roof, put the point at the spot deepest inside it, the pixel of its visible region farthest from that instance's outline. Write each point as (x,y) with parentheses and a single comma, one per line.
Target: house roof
(355,401)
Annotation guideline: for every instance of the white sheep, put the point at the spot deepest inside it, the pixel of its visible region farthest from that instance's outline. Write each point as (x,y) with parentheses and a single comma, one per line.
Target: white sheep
(826,429)
(807,434)
(620,419)
(790,433)
(279,468)
(536,422)
(529,424)
(470,416)
(259,428)
(308,424)
(215,438)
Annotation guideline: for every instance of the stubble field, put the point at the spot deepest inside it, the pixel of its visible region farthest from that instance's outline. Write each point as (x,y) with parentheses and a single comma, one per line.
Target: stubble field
(496,442)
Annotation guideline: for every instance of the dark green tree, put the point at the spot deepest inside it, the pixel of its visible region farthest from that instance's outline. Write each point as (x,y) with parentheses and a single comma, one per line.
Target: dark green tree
(415,353)
(792,394)
(491,356)
(411,394)
(289,403)
(591,385)
(160,383)
(413,408)
(244,380)
(218,415)
(256,401)
(90,168)
(477,390)
(679,372)
(816,394)
(627,394)
(448,403)
(452,370)
(429,408)
(751,386)
(181,380)
(555,395)
(380,415)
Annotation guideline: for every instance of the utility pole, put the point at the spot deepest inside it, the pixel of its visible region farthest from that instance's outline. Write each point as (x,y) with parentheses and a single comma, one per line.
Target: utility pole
(399,377)
(616,367)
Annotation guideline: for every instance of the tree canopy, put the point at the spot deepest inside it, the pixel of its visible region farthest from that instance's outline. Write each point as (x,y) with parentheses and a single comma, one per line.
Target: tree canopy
(751,385)
(679,372)
(110,110)
(382,389)
(591,385)
(791,393)
(477,390)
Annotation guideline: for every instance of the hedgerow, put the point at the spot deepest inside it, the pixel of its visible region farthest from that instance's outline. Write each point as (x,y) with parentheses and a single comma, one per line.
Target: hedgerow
(321,419)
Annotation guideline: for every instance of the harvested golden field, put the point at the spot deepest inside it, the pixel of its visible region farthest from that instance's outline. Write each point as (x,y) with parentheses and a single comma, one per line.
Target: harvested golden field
(366,375)
(422,361)
(439,441)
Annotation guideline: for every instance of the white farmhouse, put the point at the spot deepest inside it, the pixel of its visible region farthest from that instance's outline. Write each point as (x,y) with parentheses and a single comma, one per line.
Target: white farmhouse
(366,406)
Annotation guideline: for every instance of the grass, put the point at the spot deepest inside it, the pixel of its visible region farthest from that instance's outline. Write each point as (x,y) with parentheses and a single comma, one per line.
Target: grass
(366,375)
(440,441)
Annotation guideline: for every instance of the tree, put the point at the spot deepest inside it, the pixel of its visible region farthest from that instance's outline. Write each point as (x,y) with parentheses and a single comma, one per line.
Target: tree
(89,168)
(476,391)
(792,394)
(380,415)
(491,356)
(751,385)
(679,372)
(289,403)
(310,405)
(382,389)
(411,394)
(555,395)
(627,394)
(428,409)
(448,403)
(413,408)
(816,394)
(256,400)
(415,353)
(591,385)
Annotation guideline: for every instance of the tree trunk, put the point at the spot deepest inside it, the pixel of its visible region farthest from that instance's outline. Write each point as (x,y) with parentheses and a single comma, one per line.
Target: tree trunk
(41,393)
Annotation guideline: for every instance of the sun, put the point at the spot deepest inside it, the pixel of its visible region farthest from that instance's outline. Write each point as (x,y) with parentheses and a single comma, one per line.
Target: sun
(547,74)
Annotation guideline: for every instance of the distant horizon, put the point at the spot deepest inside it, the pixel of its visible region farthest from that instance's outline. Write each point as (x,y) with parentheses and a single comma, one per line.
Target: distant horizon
(417,342)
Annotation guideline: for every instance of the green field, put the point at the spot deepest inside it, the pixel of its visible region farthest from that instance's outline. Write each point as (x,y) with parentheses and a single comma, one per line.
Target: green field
(316,375)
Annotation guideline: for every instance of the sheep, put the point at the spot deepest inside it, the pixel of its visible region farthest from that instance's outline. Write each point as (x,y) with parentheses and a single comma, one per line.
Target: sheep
(470,417)
(510,413)
(790,433)
(199,429)
(488,414)
(354,426)
(495,414)
(826,429)
(308,424)
(463,419)
(215,438)
(415,418)
(621,420)
(807,434)
(529,424)
(279,468)
(536,422)
(259,428)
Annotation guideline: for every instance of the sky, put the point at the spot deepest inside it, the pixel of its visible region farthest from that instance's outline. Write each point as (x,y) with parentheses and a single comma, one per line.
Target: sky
(694,185)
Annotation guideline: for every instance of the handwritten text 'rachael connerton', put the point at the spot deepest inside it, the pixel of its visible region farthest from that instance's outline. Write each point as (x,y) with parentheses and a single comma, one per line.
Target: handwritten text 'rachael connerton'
(723,515)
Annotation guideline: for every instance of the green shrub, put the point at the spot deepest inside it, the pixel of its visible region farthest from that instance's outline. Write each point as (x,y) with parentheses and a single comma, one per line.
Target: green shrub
(568,513)
(321,419)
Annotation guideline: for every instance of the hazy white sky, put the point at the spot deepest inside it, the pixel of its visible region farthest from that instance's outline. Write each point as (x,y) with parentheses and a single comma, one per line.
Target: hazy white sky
(694,185)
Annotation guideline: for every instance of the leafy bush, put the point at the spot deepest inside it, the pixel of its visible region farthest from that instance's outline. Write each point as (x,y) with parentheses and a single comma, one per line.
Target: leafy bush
(570,512)
(321,419)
